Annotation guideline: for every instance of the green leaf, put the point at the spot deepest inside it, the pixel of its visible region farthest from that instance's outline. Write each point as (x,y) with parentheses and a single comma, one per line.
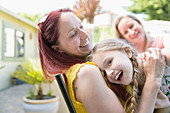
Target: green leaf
(30,71)
(154,9)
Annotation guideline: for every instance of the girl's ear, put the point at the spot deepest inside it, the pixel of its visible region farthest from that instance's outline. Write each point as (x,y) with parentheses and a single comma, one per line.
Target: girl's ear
(129,52)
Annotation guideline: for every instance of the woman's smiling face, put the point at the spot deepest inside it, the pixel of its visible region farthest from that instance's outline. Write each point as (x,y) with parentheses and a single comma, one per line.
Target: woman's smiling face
(116,64)
(73,38)
(132,31)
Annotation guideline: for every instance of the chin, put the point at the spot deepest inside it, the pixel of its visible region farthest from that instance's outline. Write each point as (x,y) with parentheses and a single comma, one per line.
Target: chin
(127,82)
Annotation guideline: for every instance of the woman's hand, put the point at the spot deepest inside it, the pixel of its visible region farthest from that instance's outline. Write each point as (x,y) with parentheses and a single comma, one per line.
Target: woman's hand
(153,64)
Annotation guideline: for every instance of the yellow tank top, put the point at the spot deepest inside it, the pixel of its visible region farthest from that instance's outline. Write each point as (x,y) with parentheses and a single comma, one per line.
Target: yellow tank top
(71,75)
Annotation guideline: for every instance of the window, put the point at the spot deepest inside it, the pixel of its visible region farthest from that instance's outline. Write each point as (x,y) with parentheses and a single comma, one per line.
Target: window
(13,42)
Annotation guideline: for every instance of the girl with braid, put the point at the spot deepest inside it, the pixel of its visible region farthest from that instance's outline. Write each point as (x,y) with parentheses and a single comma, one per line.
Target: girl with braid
(127,76)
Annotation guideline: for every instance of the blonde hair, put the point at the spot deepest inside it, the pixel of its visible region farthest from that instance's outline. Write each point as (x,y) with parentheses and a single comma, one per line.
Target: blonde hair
(118,44)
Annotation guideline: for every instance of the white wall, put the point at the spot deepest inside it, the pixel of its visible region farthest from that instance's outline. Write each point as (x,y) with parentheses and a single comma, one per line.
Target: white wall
(157,27)
(30,48)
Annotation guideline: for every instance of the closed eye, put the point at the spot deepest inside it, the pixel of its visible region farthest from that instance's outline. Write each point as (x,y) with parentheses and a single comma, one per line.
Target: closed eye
(73,34)
(131,27)
(125,32)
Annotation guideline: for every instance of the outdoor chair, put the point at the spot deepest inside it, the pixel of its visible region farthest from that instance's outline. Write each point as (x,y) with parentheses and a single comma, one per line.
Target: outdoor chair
(62,85)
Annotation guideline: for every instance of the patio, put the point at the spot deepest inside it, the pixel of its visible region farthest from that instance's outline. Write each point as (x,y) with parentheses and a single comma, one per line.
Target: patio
(11,99)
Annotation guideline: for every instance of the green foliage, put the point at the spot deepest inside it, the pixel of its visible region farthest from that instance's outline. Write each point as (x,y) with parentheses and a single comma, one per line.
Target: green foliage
(31,92)
(33,18)
(103,32)
(50,92)
(30,72)
(154,9)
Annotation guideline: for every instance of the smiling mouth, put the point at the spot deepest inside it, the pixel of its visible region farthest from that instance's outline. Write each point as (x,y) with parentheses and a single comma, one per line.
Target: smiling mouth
(118,75)
(87,42)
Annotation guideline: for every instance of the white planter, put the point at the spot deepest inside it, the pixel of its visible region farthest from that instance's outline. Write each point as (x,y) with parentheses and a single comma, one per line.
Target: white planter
(41,106)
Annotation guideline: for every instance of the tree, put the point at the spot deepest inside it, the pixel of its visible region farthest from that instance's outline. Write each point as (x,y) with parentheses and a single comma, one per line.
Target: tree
(154,9)
(87,9)
(33,18)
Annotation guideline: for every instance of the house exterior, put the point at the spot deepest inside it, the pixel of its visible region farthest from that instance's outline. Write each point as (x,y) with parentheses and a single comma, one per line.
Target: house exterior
(105,19)
(18,40)
(157,27)
(153,27)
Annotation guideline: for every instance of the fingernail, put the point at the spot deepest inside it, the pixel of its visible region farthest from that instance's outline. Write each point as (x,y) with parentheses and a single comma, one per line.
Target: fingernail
(144,55)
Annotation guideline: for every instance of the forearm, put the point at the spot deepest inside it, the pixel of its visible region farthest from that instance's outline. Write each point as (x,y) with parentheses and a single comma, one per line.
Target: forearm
(166,53)
(148,98)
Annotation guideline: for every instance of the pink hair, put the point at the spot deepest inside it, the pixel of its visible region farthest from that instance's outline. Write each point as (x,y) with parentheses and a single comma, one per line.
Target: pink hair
(52,61)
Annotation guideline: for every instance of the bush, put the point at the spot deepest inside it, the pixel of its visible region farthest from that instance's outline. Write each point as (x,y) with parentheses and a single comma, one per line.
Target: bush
(30,72)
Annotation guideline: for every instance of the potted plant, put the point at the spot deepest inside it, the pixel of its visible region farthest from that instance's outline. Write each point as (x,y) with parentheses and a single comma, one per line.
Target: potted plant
(36,102)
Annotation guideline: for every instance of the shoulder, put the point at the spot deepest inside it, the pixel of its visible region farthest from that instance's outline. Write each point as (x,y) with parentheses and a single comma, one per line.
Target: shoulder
(92,88)
(158,42)
(90,77)
(166,40)
(89,70)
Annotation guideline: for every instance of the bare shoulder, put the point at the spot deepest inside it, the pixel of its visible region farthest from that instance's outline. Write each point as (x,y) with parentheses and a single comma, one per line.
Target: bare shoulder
(93,92)
(90,78)
(89,72)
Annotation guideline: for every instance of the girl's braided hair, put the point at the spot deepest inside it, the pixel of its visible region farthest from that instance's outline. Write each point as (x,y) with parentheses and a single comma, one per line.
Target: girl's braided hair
(133,99)
(118,44)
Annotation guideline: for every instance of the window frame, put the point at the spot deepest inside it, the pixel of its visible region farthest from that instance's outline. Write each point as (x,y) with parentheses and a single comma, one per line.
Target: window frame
(16,28)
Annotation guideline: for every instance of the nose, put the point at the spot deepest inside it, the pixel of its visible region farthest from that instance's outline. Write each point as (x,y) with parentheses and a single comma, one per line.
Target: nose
(83,34)
(109,72)
(131,33)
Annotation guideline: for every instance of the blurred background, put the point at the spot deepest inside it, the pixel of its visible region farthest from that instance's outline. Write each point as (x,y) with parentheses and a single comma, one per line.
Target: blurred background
(19,33)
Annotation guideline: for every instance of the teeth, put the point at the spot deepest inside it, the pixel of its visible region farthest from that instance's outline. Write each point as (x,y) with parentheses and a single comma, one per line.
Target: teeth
(87,42)
(117,76)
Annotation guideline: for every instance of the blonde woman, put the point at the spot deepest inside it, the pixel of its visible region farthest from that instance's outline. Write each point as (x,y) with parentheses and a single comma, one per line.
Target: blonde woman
(130,28)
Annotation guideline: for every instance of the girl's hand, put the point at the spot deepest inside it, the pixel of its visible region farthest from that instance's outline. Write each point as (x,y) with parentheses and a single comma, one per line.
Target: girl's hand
(153,64)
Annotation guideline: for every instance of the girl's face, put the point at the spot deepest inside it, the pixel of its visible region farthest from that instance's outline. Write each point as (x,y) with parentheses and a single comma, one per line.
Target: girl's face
(132,31)
(116,64)
(73,38)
